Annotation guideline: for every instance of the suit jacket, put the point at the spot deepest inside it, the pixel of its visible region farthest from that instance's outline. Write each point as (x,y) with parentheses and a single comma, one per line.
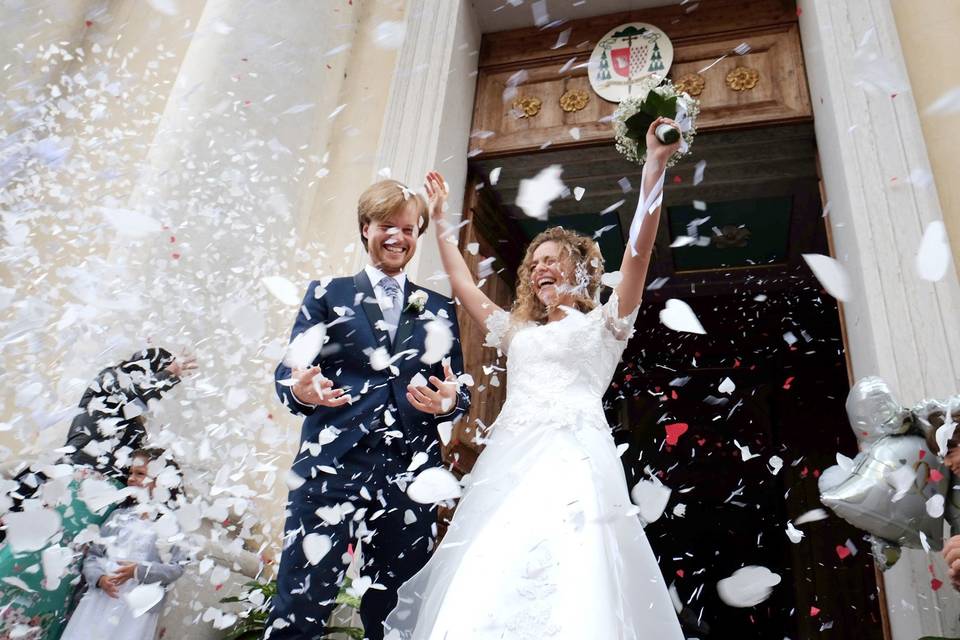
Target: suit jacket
(349,308)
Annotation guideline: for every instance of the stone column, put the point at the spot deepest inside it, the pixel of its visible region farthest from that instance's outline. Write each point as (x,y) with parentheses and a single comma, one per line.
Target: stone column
(430,108)
(874,164)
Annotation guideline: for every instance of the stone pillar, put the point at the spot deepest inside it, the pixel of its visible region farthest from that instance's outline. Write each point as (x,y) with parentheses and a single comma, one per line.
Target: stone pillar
(874,160)
(430,108)
(932,52)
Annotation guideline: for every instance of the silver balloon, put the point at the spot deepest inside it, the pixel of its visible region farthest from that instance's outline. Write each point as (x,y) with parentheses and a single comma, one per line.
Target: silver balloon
(885,553)
(874,412)
(894,464)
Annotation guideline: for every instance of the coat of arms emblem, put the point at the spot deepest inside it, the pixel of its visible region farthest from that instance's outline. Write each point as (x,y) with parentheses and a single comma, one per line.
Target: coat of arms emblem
(630,59)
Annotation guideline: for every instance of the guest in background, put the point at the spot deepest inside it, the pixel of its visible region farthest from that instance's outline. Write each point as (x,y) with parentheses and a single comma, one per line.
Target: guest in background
(109,426)
(129,556)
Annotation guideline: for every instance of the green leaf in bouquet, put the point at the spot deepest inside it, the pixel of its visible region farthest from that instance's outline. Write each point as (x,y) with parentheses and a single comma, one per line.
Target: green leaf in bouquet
(637,126)
(658,106)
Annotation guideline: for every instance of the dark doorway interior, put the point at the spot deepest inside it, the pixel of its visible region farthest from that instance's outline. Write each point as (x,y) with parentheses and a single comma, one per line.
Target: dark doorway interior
(771,330)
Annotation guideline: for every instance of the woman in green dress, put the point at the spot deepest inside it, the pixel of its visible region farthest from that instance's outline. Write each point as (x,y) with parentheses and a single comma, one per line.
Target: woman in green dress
(37,585)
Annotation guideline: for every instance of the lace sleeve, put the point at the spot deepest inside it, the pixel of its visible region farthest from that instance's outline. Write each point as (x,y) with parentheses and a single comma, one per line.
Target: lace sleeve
(498,326)
(621,328)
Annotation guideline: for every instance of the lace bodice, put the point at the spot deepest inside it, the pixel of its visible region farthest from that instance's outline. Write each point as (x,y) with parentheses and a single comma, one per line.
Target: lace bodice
(560,369)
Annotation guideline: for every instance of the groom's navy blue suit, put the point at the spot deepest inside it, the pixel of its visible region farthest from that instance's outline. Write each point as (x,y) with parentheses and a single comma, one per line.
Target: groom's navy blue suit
(350,457)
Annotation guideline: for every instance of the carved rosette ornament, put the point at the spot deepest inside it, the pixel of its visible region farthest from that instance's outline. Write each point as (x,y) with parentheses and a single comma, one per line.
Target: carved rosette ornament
(574,100)
(732,236)
(527,107)
(691,83)
(743,79)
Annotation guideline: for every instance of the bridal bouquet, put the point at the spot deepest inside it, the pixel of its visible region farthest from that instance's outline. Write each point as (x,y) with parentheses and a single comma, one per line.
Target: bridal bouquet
(634,115)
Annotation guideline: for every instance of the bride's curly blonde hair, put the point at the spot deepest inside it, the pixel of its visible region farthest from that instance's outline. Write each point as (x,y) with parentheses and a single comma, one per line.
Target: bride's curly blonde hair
(583,261)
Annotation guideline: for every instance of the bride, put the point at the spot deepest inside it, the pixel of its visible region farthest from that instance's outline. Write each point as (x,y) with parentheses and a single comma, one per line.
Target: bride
(545,542)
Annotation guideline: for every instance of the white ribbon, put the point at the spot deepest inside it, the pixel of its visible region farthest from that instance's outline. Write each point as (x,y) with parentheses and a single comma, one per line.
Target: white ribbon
(647,204)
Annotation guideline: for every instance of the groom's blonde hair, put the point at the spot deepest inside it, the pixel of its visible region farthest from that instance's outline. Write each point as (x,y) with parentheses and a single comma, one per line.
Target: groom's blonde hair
(383,199)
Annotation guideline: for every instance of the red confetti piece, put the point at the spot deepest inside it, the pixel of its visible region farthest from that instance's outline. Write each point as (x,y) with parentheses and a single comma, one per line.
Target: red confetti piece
(922,454)
(935,584)
(628,377)
(680,572)
(218,587)
(674,431)
(89,23)
(673,394)
(803,472)
(786,384)
(173,238)
(935,476)
(842,551)
(700,441)
(677,179)
(814,611)
(799,12)
(175,256)
(816,473)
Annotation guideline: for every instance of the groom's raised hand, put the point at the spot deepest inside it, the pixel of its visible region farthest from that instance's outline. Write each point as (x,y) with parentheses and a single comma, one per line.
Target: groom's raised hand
(439,401)
(311,388)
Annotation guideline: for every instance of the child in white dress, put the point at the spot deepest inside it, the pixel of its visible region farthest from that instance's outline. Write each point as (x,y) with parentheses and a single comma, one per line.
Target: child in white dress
(127,574)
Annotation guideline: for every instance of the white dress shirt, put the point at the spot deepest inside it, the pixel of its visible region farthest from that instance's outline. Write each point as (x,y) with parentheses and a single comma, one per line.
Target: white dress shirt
(383,299)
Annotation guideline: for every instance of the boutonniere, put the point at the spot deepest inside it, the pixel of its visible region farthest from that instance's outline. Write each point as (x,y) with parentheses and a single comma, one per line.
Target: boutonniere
(417,301)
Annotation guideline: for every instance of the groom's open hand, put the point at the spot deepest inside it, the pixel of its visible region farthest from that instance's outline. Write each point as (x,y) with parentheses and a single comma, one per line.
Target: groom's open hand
(310,387)
(438,401)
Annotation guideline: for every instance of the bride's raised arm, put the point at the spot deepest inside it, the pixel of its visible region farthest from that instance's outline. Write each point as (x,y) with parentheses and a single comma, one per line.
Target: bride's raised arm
(475,301)
(643,231)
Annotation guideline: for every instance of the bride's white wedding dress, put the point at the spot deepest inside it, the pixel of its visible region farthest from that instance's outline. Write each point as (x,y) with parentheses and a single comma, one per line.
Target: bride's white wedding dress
(545,542)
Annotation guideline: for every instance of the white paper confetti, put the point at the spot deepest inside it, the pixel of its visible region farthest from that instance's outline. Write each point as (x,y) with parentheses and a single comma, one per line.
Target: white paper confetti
(315,547)
(748,586)
(282,289)
(775,464)
(794,534)
(651,496)
(389,34)
(935,506)
(726,386)
(438,342)
(129,222)
(678,315)
(535,194)
(831,274)
(143,597)
(433,485)
(31,530)
(933,257)
(811,516)
(698,172)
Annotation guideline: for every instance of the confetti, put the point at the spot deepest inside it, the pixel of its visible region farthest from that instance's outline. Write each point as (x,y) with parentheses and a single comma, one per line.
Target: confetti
(748,586)
(143,597)
(652,497)
(315,547)
(434,485)
(535,194)
(438,342)
(674,431)
(831,275)
(678,316)
(933,257)
(282,289)
(794,534)
(31,530)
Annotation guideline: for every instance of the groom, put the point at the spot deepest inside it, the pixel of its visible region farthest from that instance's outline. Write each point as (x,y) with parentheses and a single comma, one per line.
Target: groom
(368,425)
